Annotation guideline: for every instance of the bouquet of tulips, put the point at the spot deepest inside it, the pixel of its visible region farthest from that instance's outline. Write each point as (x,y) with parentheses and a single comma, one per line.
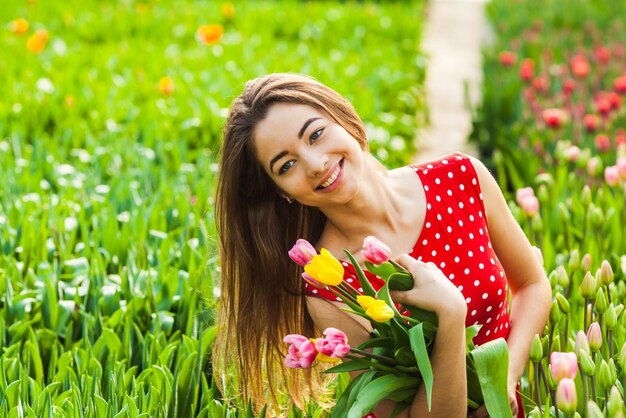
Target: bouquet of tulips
(395,361)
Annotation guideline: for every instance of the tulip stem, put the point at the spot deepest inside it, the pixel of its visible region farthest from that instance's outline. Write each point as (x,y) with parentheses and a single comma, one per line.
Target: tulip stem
(398,267)
(609,340)
(584,381)
(378,366)
(344,293)
(537,388)
(389,360)
(556,408)
(593,389)
(543,376)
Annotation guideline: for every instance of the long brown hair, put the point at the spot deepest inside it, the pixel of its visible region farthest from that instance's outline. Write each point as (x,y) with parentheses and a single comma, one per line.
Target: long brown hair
(261,291)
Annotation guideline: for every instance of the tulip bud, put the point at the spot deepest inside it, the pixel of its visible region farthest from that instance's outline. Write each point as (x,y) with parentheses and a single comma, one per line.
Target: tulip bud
(586,195)
(586,363)
(581,343)
(562,277)
(593,411)
(604,376)
(601,302)
(535,413)
(545,342)
(564,216)
(594,336)
(597,216)
(536,351)
(588,286)
(612,369)
(610,318)
(563,365)
(585,264)
(566,398)
(615,404)
(375,251)
(563,303)
(622,357)
(302,252)
(536,224)
(556,343)
(574,256)
(555,313)
(619,308)
(606,273)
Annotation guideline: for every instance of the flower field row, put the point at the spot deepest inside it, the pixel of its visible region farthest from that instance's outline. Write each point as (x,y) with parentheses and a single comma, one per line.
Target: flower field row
(552,125)
(110,120)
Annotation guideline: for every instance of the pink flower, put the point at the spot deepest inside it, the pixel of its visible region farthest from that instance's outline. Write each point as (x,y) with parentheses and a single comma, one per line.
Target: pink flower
(581,343)
(301,351)
(527,69)
(563,365)
(611,175)
(566,399)
(594,336)
(530,205)
(621,166)
(375,251)
(302,252)
(572,153)
(603,143)
(522,193)
(507,58)
(619,85)
(310,280)
(592,166)
(334,344)
(554,118)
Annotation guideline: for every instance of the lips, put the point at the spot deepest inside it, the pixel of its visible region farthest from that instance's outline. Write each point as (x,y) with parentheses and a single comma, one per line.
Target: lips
(330,179)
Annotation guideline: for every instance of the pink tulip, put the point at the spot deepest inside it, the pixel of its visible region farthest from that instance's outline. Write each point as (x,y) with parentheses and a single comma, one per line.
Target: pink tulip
(530,206)
(592,166)
(572,153)
(563,365)
(594,336)
(523,193)
(375,251)
(566,399)
(301,352)
(334,344)
(302,252)
(310,280)
(581,343)
(611,175)
(621,166)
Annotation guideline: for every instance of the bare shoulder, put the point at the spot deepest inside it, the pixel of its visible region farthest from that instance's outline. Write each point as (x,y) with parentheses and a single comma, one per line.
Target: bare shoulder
(327,314)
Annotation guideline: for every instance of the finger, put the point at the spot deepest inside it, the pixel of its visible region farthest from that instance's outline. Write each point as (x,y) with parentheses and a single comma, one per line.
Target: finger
(405,260)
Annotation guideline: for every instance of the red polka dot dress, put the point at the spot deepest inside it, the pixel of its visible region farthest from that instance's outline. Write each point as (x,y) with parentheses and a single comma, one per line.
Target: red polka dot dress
(455,237)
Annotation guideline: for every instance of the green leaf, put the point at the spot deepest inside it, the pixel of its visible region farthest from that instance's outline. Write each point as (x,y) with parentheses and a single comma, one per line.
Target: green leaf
(347,398)
(348,366)
(368,290)
(418,345)
(400,281)
(383,270)
(376,342)
(491,360)
(377,390)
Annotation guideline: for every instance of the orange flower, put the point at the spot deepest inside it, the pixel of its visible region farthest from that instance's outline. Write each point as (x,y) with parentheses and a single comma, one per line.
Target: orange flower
(19,26)
(38,41)
(228,10)
(210,34)
(166,85)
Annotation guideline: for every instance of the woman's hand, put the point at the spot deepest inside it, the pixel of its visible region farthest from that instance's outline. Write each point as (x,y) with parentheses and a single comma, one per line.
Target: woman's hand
(432,290)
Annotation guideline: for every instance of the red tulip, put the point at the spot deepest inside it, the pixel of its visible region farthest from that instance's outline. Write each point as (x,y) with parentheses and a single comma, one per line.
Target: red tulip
(507,58)
(568,86)
(603,143)
(541,84)
(619,85)
(527,69)
(603,54)
(615,100)
(580,66)
(603,105)
(554,118)
(591,122)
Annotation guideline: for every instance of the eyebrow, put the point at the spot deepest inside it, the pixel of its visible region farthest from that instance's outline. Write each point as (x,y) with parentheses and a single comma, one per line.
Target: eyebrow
(306,124)
(283,153)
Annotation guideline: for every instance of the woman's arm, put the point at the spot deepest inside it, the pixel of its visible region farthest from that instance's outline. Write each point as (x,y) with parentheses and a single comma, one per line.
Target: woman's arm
(526,277)
(433,291)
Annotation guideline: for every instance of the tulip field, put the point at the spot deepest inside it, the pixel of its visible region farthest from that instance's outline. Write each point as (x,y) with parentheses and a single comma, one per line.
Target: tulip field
(110,122)
(111,116)
(551,126)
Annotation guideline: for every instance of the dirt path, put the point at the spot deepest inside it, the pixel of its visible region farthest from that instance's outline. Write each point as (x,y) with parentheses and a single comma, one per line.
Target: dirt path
(455,31)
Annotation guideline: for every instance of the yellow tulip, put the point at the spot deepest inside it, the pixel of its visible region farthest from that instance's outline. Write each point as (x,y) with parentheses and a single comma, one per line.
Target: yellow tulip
(376,309)
(325,268)
(326,359)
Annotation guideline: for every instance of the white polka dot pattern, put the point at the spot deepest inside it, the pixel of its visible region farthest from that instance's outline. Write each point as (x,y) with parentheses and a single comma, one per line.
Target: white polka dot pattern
(454,237)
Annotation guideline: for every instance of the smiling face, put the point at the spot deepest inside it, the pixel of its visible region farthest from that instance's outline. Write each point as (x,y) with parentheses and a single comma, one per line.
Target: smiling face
(308,155)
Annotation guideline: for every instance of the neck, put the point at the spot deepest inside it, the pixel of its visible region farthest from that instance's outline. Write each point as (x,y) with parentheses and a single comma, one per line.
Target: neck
(376,207)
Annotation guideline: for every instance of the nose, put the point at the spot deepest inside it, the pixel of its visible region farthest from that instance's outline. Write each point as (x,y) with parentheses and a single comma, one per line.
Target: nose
(316,163)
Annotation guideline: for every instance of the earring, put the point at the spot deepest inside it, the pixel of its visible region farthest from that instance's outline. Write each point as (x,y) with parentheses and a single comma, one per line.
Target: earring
(289,199)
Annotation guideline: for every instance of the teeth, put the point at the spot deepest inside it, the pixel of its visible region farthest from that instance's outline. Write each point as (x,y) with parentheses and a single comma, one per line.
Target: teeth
(332,178)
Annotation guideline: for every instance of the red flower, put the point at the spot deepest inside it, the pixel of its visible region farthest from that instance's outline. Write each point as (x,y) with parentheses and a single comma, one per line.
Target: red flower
(591,122)
(527,69)
(619,85)
(554,118)
(603,143)
(615,100)
(603,54)
(568,86)
(541,84)
(603,105)
(580,66)
(507,58)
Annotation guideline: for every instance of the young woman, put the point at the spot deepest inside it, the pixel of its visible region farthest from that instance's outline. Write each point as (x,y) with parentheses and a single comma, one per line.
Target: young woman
(295,164)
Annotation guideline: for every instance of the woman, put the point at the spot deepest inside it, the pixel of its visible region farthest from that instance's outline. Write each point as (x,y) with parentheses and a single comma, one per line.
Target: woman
(295,165)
